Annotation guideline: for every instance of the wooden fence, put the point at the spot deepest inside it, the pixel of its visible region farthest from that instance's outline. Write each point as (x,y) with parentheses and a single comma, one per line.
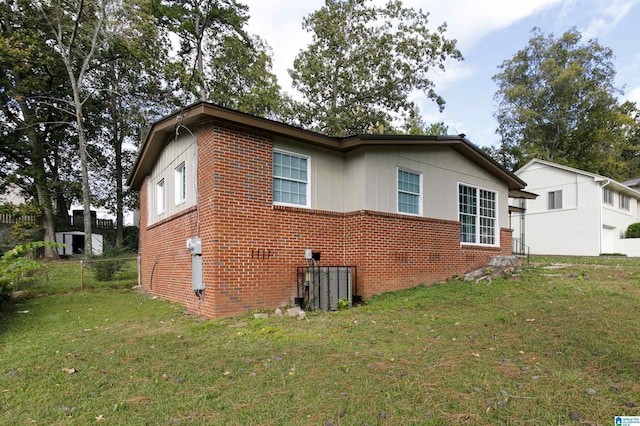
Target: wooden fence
(75,222)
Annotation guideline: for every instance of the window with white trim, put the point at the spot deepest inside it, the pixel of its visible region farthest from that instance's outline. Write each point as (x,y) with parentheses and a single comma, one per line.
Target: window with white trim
(554,200)
(624,202)
(409,192)
(478,215)
(290,179)
(607,196)
(181,183)
(160,196)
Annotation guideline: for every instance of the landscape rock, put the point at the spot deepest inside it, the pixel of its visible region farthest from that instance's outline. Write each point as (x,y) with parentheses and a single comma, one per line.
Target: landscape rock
(17,295)
(294,312)
(278,312)
(497,267)
(261,315)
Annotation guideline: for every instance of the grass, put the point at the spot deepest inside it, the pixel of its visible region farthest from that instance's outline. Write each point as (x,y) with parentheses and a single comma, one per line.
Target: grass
(559,346)
(71,275)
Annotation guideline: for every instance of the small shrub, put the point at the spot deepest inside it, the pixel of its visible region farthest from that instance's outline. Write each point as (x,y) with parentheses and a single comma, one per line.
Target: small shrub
(17,266)
(633,231)
(343,304)
(107,265)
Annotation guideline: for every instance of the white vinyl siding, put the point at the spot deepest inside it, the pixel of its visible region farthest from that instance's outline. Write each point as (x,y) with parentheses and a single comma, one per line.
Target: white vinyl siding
(409,192)
(290,179)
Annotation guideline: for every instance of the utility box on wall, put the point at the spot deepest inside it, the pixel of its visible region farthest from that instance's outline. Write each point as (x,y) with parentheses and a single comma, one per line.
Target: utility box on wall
(194,245)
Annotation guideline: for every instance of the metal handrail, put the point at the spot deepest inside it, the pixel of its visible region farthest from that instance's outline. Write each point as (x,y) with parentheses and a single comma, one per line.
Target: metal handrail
(520,249)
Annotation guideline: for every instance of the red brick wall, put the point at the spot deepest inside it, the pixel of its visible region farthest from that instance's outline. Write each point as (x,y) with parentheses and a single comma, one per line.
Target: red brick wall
(251,248)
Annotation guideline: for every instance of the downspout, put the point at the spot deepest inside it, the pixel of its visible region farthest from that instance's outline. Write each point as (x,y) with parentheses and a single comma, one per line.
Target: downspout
(601,220)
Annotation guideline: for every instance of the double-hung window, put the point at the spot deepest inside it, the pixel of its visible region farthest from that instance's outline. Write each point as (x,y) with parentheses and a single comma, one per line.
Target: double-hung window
(181,183)
(409,192)
(607,196)
(478,215)
(290,179)
(624,202)
(160,196)
(554,200)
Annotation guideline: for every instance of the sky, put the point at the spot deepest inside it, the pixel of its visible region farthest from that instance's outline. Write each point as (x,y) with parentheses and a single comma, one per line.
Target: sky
(488,32)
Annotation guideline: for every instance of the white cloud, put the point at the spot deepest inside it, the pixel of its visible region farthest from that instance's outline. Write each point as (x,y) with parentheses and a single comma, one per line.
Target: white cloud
(470,20)
(633,95)
(454,72)
(609,14)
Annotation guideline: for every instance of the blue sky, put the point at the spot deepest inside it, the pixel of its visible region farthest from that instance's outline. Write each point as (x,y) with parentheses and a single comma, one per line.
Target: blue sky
(488,32)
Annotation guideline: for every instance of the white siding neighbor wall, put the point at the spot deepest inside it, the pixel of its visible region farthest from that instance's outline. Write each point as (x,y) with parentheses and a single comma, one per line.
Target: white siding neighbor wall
(587,223)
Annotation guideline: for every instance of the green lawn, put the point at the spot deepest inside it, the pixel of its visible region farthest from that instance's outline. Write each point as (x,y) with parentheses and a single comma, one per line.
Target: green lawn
(559,346)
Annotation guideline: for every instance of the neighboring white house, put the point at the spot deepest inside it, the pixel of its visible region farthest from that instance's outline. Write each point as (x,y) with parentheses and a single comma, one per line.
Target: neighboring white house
(577,212)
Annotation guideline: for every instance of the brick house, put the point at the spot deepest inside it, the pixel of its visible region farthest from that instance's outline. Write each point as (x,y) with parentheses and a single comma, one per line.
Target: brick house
(260,194)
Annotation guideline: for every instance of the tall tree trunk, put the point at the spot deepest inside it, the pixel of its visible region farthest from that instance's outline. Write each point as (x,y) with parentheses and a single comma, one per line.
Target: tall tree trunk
(86,190)
(37,157)
(115,106)
(200,61)
(84,166)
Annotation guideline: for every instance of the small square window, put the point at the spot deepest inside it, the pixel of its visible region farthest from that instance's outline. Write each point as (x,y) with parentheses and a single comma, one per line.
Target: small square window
(555,200)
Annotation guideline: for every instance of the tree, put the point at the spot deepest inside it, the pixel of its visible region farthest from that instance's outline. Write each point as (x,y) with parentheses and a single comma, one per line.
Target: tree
(363,63)
(131,93)
(195,21)
(415,125)
(33,122)
(557,102)
(80,34)
(240,76)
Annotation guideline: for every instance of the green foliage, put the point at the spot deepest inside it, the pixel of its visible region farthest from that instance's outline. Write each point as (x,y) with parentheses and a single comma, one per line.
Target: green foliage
(112,260)
(240,76)
(557,101)
(415,125)
(343,304)
(362,64)
(131,238)
(18,265)
(26,219)
(633,231)
(196,22)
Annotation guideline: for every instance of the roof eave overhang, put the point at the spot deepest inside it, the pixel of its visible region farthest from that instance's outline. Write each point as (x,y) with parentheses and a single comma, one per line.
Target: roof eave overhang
(163,131)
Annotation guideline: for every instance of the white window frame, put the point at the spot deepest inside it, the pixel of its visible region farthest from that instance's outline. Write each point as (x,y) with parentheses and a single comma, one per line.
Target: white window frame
(160,196)
(554,200)
(624,201)
(479,238)
(607,196)
(307,203)
(415,194)
(180,183)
